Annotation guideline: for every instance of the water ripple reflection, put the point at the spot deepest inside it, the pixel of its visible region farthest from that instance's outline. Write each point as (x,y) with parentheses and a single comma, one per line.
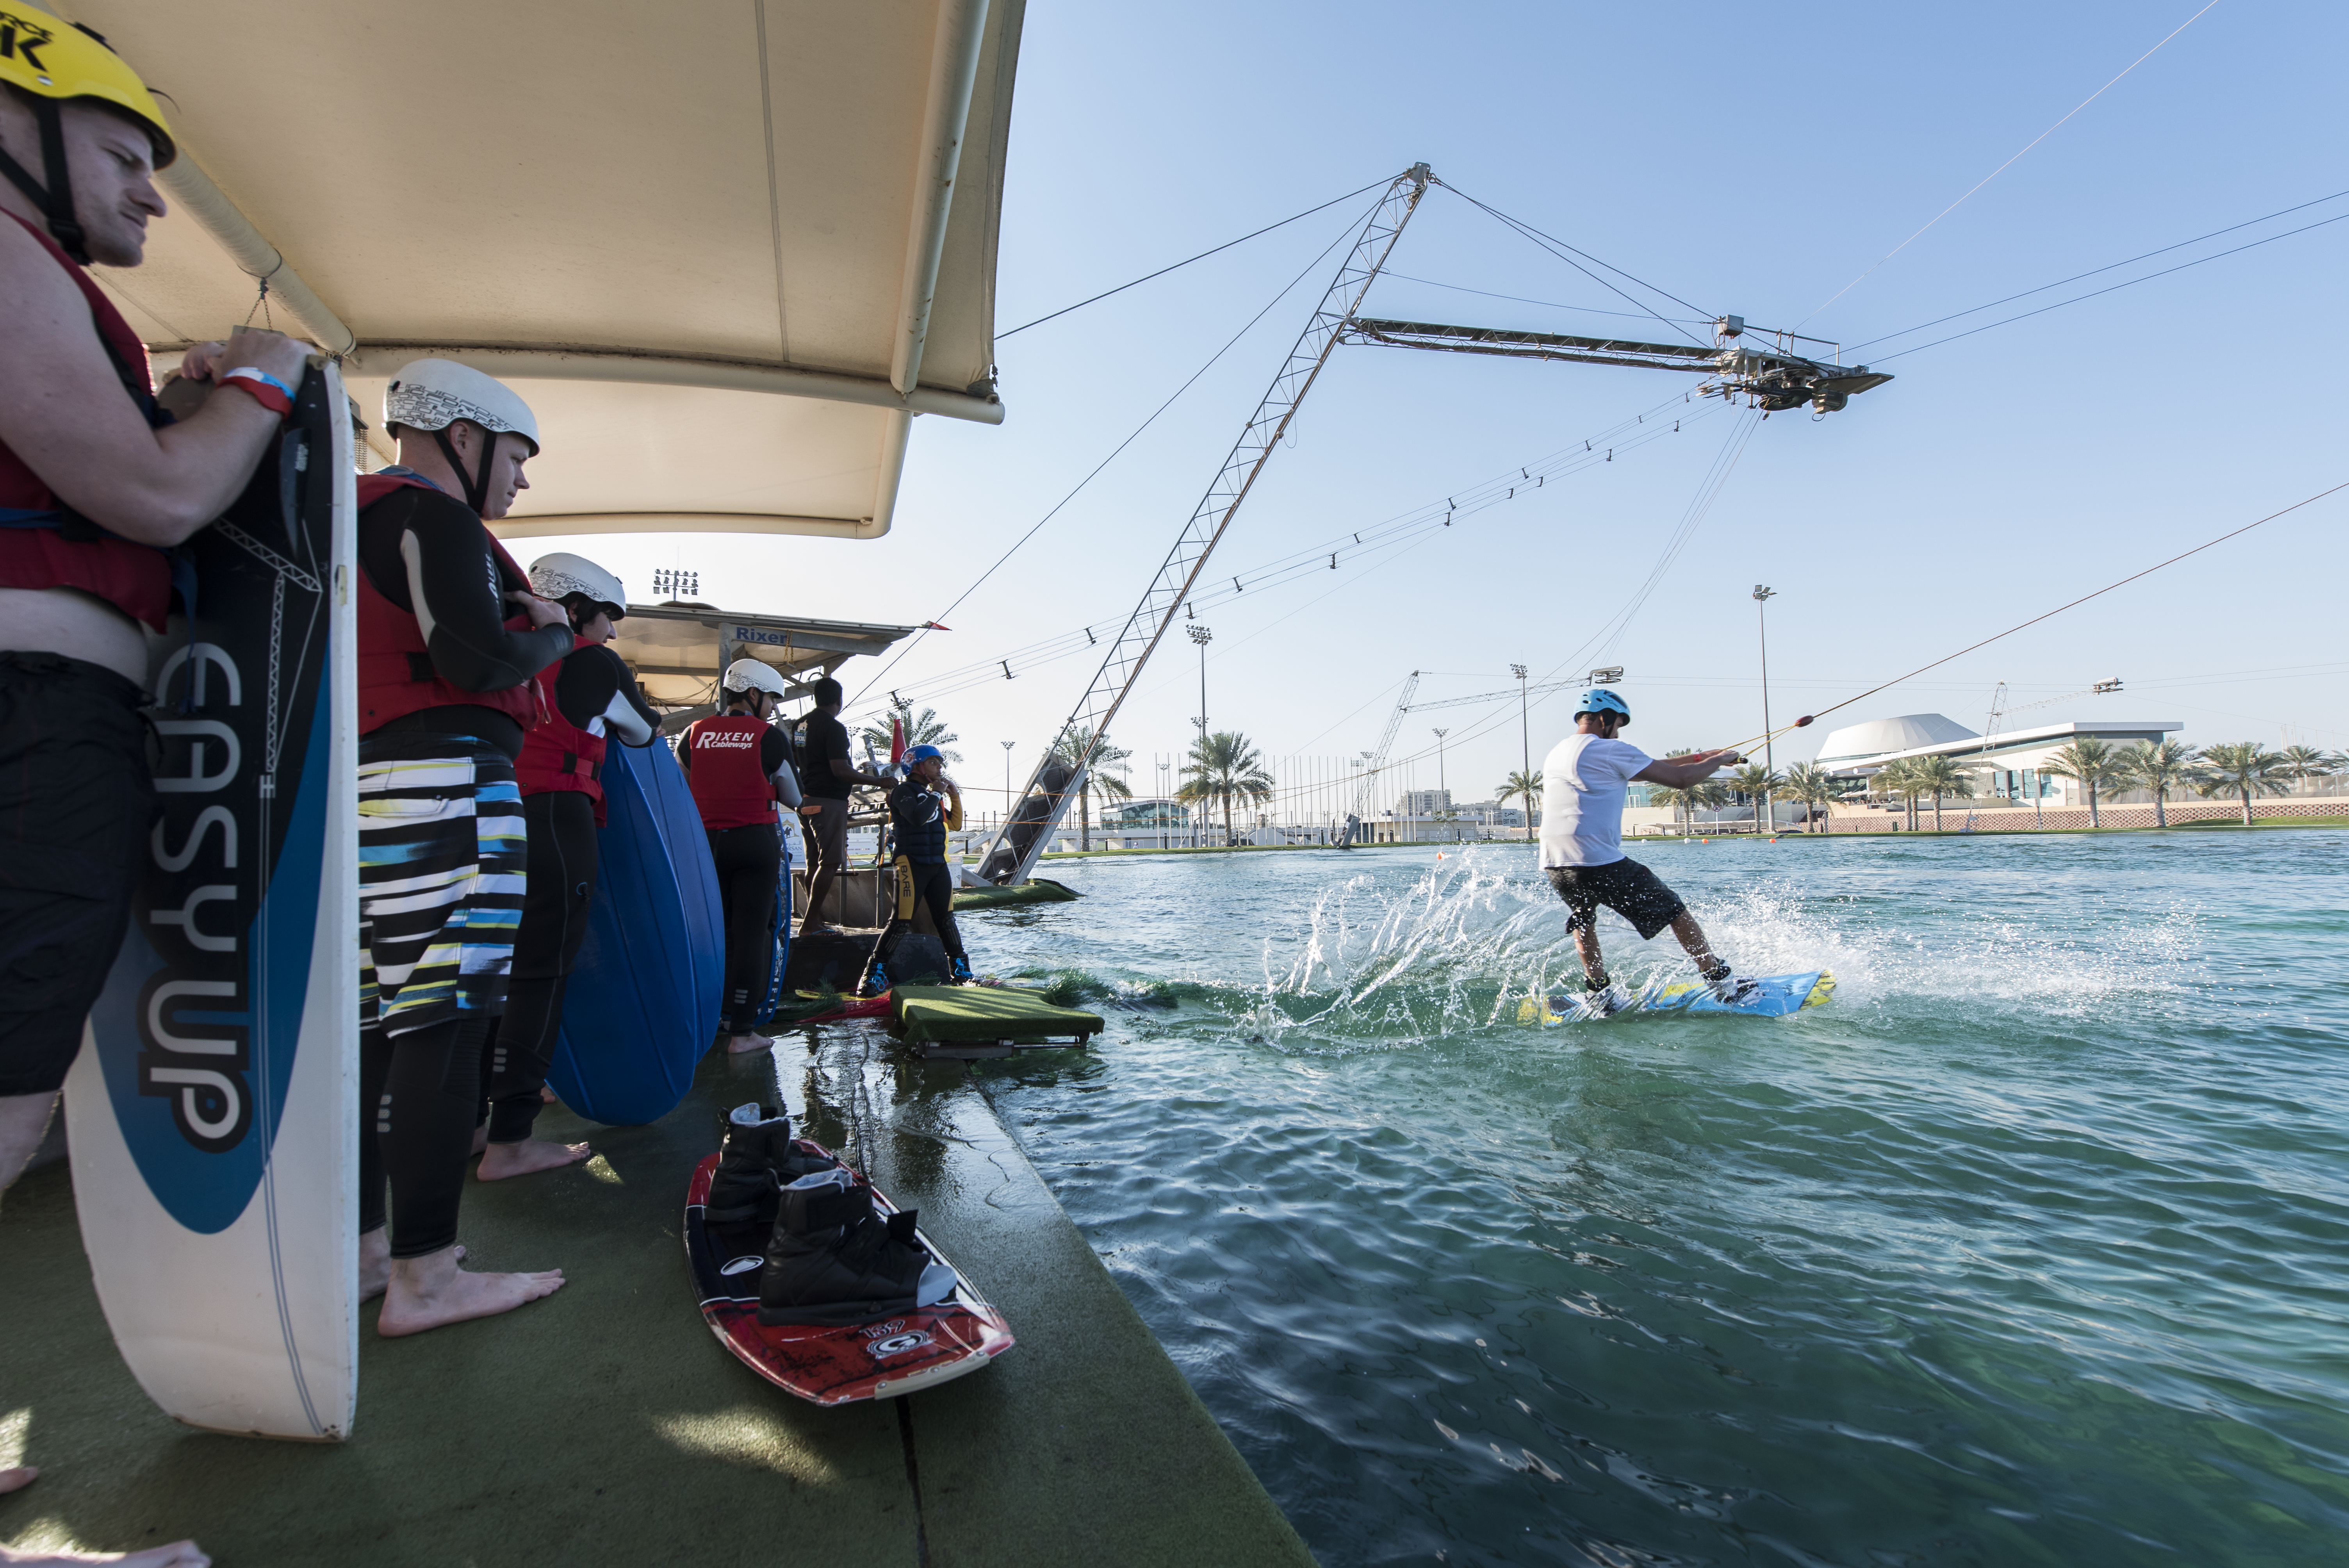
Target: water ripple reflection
(2027,1249)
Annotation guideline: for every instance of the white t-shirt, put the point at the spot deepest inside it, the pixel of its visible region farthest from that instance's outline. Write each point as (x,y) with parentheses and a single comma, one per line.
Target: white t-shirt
(1583,781)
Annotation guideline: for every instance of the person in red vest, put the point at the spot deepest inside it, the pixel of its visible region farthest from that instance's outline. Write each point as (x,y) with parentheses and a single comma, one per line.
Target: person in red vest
(97,488)
(450,640)
(591,699)
(740,765)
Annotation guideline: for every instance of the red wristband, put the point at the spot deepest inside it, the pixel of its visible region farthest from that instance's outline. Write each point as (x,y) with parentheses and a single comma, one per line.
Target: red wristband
(262,388)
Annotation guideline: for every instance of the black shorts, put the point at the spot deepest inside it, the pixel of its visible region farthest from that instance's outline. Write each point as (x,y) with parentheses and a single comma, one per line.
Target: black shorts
(1624,886)
(77,796)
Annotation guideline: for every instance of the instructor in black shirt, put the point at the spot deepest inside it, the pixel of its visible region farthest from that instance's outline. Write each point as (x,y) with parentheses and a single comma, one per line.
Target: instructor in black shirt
(826,782)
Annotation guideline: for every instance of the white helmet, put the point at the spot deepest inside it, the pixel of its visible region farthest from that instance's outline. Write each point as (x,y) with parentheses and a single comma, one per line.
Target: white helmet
(433,393)
(561,575)
(746,675)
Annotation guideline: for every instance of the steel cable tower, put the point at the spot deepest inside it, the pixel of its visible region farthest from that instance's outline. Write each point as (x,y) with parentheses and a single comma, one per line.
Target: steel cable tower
(1058,773)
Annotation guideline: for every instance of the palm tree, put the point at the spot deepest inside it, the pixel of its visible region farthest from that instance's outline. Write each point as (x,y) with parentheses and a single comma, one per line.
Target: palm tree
(1809,783)
(1757,783)
(1099,781)
(1937,777)
(1897,781)
(2244,769)
(1525,787)
(2162,766)
(2302,762)
(923,728)
(1224,766)
(2096,766)
(1702,796)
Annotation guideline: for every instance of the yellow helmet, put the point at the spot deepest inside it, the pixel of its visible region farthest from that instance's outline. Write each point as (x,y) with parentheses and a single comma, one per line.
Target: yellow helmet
(53,62)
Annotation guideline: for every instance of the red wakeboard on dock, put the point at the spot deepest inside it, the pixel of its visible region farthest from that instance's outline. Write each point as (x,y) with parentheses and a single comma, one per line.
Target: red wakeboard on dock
(840,1363)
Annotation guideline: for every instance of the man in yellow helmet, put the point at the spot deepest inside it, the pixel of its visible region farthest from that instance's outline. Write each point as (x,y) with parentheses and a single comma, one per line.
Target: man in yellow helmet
(97,487)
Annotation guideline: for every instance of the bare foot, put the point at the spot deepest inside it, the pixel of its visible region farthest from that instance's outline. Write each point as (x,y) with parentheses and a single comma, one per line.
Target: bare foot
(375,1266)
(179,1554)
(741,1043)
(431,1292)
(503,1160)
(547,1094)
(20,1478)
(480,1138)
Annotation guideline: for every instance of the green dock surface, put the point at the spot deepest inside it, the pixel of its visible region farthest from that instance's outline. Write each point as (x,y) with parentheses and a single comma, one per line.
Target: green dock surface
(608,1425)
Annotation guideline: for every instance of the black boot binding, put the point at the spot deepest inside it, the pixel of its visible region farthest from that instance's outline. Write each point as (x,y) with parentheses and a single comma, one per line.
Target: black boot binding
(834,1260)
(754,1163)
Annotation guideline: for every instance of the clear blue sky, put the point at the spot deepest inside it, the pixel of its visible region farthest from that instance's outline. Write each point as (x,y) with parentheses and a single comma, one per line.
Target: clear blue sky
(1749,160)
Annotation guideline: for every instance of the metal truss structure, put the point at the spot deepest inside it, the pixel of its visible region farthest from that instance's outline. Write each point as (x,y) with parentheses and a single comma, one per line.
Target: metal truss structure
(1374,763)
(1060,774)
(1769,378)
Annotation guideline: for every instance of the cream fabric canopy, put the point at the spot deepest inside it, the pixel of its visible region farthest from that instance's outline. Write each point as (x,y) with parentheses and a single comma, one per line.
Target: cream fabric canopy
(726,249)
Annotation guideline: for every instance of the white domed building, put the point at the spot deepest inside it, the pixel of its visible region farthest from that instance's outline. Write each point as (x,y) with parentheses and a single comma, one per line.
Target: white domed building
(1857,742)
(2009,766)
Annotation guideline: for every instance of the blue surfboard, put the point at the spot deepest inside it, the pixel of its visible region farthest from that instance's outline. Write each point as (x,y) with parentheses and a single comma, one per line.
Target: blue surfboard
(1770,997)
(643,1001)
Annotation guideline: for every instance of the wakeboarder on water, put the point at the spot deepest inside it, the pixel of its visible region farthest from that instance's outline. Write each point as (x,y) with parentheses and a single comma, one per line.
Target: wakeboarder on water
(97,489)
(1584,780)
(446,693)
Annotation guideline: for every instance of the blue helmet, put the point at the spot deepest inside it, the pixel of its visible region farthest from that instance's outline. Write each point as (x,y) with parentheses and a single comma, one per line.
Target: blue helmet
(1598,699)
(921,754)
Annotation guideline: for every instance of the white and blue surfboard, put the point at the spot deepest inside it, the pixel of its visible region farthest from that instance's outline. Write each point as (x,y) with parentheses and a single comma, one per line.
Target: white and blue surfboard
(1767,996)
(213,1110)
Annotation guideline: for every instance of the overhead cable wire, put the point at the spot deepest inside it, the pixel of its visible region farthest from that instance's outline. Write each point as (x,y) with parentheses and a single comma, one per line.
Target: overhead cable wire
(1589,451)
(1556,247)
(2076,277)
(2004,167)
(1203,255)
(916,640)
(2147,572)
(1520,299)
(1709,489)
(1423,522)
(2093,294)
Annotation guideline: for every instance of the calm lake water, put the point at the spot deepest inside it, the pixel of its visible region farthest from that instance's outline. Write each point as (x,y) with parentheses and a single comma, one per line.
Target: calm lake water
(2027,1248)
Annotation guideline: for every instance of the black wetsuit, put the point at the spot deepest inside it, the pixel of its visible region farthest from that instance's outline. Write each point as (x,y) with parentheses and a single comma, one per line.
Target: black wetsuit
(419,1088)
(918,816)
(592,685)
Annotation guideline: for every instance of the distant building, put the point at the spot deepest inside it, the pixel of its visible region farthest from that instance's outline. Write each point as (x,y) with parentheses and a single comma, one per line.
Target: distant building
(2011,767)
(1425,802)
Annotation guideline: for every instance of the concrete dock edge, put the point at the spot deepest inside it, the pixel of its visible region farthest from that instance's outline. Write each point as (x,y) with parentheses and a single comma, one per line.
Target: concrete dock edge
(606,1425)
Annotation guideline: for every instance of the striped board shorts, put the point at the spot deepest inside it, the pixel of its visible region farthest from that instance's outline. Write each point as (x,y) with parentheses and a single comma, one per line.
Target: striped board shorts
(442,852)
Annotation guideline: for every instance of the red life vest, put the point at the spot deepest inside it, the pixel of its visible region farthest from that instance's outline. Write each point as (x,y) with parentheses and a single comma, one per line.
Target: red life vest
(558,754)
(396,674)
(136,579)
(729,786)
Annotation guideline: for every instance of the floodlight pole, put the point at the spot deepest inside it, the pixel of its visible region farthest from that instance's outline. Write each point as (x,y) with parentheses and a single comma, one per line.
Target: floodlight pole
(1526,746)
(1761,596)
(1201,636)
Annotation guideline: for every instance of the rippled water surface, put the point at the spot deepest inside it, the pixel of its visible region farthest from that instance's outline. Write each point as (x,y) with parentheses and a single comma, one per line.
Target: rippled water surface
(2027,1248)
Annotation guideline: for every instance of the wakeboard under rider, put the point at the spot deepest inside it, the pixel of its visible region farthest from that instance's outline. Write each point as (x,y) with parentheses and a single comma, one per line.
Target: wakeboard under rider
(1584,780)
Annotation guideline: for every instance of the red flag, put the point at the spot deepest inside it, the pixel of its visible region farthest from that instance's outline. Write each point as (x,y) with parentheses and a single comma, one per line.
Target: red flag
(896,740)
